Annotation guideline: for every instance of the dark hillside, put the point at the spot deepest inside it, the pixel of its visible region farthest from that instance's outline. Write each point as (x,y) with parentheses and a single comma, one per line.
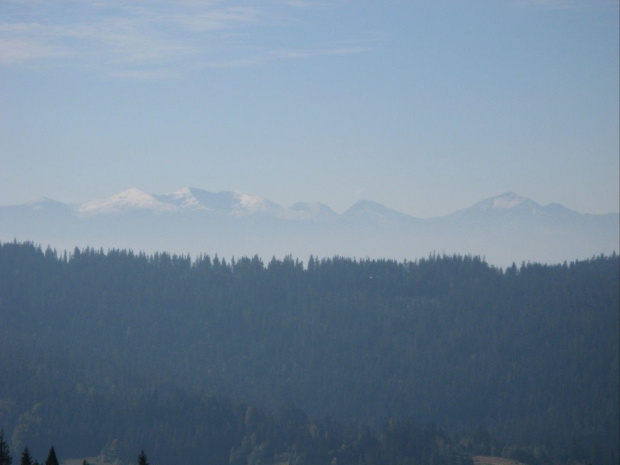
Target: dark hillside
(530,352)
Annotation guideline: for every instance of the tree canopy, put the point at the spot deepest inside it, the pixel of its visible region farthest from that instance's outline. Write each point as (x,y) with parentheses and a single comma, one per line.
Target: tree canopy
(124,341)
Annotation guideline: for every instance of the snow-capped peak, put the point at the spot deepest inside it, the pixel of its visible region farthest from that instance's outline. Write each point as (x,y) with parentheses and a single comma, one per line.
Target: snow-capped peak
(247,204)
(507,204)
(251,202)
(130,199)
(507,201)
(184,199)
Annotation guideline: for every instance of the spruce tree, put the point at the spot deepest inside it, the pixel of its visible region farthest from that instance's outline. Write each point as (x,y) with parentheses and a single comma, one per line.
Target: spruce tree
(142,459)
(5,456)
(26,457)
(51,458)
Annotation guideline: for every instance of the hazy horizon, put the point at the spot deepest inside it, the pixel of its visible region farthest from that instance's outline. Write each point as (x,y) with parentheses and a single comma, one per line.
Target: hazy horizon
(504,229)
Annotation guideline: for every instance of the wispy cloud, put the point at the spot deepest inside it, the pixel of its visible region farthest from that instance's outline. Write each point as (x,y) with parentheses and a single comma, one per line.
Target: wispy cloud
(15,50)
(295,54)
(568,4)
(159,73)
(264,57)
(233,63)
(142,38)
(296,3)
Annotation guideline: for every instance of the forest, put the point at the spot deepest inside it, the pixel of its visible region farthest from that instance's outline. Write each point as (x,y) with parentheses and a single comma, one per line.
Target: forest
(337,360)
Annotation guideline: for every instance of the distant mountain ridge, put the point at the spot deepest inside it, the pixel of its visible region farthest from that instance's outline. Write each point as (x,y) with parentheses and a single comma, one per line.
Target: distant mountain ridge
(236,203)
(503,228)
(512,203)
(193,199)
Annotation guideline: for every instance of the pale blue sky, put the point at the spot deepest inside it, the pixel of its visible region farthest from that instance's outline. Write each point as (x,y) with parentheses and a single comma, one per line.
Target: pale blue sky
(425,106)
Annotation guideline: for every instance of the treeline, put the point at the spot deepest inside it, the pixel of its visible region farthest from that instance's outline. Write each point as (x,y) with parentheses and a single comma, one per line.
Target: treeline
(26,457)
(530,352)
(223,433)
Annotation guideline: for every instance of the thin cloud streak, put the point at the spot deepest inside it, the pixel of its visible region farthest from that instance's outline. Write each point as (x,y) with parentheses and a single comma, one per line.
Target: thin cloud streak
(234,63)
(147,74)
(294,54)
(568,4)
(111,41)
(276,55)
(16,50)
(152,36)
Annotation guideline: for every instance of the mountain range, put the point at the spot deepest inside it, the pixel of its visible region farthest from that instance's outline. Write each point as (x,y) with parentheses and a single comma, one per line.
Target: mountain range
(504,229)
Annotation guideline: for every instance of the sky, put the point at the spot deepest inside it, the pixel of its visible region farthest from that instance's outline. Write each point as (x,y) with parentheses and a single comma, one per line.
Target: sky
(425,106)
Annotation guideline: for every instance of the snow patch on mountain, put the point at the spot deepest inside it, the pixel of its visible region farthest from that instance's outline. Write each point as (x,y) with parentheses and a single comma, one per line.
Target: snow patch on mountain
(247,204)
(507,201)
(251,203)
(130,199)
(183,199)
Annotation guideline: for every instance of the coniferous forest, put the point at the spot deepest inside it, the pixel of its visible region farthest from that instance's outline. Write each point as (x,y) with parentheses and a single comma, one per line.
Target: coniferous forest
(332,361)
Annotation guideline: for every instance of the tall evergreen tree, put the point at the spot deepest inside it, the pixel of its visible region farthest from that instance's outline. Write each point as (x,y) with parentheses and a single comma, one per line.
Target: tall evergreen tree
(51,458)
(26,457)
(5,456)
(142,459)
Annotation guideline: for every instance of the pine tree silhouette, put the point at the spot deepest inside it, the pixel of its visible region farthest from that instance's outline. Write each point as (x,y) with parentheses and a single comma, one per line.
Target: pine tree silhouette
(142,459)
(5,456)
(26,457)
(51,458)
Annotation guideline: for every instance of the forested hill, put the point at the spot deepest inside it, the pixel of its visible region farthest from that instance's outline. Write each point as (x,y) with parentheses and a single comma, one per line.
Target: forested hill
(531,353)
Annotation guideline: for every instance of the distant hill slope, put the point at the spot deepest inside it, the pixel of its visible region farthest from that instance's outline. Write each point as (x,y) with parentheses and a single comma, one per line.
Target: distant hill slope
(505,229)
(531,352)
